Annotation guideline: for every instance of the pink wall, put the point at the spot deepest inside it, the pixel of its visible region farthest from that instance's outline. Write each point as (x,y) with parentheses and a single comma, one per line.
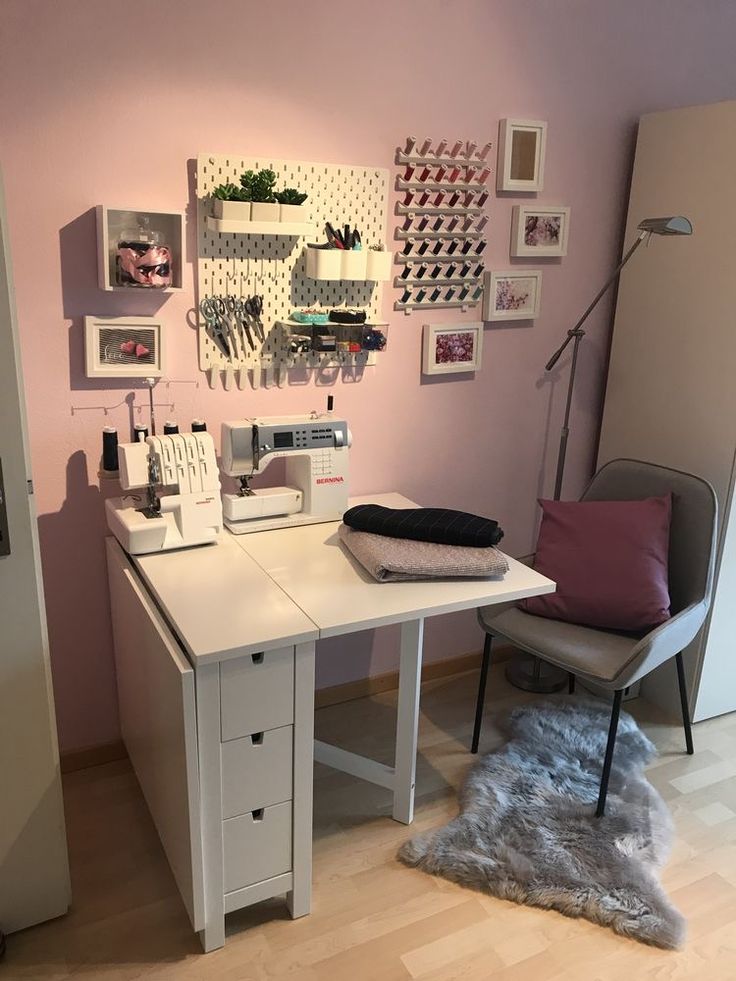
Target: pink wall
(103,104)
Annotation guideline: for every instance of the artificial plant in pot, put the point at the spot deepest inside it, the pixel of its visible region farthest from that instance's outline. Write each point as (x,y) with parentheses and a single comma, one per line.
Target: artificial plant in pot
(292,204)
(259,186)
(231,202)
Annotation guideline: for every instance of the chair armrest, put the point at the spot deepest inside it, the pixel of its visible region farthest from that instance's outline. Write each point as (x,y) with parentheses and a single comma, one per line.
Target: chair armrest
(662,643)
(526,559)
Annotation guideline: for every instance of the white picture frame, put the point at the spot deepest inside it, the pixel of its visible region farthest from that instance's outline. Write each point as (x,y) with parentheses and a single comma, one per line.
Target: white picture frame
(547,237)
(124,347)
(512,294)
(522,145)
(447,350)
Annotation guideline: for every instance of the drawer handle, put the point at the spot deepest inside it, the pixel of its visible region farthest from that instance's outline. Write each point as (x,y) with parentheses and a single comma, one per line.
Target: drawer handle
(257,738)
(257,658)
(258,815)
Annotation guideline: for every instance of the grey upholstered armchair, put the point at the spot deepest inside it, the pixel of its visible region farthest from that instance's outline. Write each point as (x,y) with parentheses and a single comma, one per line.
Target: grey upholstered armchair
(616,660)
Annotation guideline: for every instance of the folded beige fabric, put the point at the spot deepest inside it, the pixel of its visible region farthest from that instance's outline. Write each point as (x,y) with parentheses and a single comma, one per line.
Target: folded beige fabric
(398,559)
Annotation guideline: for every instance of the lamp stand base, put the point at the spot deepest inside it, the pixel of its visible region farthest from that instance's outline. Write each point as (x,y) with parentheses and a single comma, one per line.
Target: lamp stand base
(533,674)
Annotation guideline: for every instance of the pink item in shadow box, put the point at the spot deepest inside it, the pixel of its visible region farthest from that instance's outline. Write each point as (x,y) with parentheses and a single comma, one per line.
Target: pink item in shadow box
(142,258)
(143,264)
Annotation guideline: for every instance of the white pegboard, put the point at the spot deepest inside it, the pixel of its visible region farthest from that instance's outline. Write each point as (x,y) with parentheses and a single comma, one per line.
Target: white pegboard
(275,266)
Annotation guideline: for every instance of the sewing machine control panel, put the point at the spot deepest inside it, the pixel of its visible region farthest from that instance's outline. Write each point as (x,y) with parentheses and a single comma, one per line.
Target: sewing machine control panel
(305,439)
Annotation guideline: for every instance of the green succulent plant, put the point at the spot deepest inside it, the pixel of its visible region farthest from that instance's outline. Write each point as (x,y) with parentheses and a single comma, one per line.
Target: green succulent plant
(230,192)
(259,185)
(290,196)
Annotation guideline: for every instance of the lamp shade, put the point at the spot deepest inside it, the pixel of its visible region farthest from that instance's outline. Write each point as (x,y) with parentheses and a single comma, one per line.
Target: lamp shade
(675,225)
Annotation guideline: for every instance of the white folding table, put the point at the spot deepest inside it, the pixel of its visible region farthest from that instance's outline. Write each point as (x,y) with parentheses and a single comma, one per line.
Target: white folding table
(340,597)
(214,650)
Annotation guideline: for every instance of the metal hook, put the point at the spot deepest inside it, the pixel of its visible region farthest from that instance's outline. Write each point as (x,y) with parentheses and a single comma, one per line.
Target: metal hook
(245,276)
(231,277)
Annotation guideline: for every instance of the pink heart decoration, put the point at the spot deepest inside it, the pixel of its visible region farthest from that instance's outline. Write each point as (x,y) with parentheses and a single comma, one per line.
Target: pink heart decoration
(141,351)
(128,347)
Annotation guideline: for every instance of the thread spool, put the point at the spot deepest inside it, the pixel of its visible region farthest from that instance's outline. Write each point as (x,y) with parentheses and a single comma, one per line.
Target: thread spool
(140,433)
(110,449)
(199,426)
(170,428)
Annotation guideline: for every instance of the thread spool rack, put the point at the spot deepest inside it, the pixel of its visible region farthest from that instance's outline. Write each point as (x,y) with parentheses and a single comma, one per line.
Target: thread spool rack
(445,193)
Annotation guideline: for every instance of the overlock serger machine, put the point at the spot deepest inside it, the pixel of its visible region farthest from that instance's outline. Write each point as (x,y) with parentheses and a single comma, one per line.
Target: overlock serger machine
(315,448)
(188,512)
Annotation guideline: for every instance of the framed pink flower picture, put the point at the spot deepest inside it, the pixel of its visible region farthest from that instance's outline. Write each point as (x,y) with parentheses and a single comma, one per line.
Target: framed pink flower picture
(539,230)
(513,294)
(451,348)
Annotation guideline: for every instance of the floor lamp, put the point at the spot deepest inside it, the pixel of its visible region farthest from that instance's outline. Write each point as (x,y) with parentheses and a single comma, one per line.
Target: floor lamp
(531,673)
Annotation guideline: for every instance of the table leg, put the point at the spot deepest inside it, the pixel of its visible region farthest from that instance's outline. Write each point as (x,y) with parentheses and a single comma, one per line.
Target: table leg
(407,723)
(210,788)
(300,897)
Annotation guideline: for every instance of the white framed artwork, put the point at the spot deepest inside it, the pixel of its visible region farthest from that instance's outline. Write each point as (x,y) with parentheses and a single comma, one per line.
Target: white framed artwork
(124,347)
(451,348)
(521,149)
(512,294)
(539,230)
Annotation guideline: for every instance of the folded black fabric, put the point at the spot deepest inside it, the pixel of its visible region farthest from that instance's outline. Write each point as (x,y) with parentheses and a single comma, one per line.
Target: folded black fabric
(439,525)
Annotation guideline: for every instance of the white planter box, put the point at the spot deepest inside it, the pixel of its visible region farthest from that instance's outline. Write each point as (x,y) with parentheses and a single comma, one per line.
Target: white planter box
(324,263)
(231,210)
(354,264)
(379,265)
(292,212)
(265,211)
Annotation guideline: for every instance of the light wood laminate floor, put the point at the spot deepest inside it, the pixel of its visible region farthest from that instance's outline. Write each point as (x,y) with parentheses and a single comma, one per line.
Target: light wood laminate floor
(373,918)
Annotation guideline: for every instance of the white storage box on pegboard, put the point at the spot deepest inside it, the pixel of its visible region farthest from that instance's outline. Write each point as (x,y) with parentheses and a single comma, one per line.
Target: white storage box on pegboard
(231,210)
(324,263)
(363,265)
(354,264)
(379,265)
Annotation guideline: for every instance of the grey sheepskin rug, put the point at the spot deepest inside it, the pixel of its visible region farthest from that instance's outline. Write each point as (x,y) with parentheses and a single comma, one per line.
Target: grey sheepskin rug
(526,831)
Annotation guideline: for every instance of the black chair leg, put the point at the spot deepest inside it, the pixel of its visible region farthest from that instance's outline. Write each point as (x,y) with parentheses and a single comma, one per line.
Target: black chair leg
(481,693)
(570,683)
(683,703)
(612,730)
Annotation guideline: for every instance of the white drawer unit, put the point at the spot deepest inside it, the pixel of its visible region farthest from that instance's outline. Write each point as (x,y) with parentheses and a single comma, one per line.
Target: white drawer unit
(222,747)
(257,692)
(257,771)
(257,846)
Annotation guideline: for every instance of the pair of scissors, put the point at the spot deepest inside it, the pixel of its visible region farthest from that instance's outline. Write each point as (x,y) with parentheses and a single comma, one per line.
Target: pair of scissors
(213,311)
(254,308)
(244,321)
(231,305)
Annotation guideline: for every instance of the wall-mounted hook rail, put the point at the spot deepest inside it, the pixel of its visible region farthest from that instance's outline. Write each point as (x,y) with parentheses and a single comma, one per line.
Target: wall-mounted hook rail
(406,209)
(472,188)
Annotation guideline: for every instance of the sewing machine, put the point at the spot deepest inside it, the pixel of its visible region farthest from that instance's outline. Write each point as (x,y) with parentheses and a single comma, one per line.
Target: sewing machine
(191,515)
(315,448)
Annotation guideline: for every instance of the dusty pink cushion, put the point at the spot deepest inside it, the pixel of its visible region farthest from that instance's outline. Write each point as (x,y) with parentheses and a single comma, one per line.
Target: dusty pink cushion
(609,560)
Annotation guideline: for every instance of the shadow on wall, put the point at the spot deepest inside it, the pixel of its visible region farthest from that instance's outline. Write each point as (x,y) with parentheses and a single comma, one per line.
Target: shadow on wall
(83,297)
(78,611)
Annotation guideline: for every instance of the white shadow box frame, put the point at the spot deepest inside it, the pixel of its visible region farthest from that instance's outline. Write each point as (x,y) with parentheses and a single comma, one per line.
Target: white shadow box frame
(451,348)
(539,230)
(522,145)
(124,347)
(512,294)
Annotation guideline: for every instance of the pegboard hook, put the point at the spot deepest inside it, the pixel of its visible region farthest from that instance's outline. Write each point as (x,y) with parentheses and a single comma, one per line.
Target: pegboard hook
(245,276)
(230,278)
